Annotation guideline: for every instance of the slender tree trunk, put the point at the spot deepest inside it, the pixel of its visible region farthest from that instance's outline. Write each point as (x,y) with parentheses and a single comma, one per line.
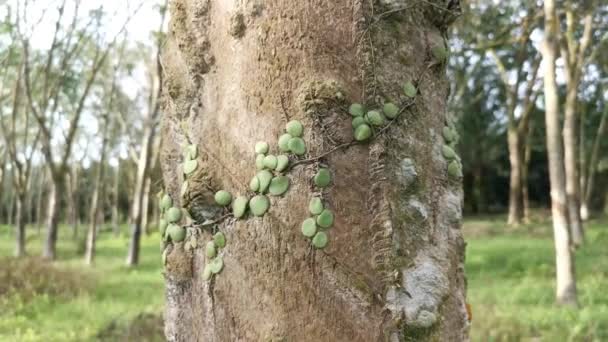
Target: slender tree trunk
(11,205)
(515,181)
(20,225)
(95,198)
(593,163)
(146,206)
(138,195)
(41,184)
(3,163)
(73,199)
(482,206)
(115,199)
(571,160)
(525,170)
(566,281)
(393,267)
(50,247)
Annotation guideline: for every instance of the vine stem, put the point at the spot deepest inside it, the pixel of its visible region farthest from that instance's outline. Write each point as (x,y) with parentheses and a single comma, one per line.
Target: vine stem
(350,143)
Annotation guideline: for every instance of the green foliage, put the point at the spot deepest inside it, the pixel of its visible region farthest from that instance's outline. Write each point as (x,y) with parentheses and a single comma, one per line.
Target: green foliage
(216,265)
(447,152)
(322,178)
(294,128)
(363,132)
(261,147)
(190,166)
(223,198)
(282,163)
(259,205)
(315,206)
(390,110)
(176,233)
(297,146)
(166,202)
(325,219)
(356,109)
(259,161)
(320,240)
(375,118)
(309,227)
(278,185)
(270,162)
(254,184)
(219,239)
(358,121)
(210,251)
(409,89)
(239,206)
(173,214)
(284,142)
(264,177)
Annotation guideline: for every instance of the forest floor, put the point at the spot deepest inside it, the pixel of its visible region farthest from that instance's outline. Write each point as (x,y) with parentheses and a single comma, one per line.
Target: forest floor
(69,301)
(511,288)
(510,274)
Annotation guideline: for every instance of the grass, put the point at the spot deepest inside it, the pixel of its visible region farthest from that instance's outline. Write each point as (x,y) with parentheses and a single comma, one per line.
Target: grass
(69,301)
(511,286)
(510,276)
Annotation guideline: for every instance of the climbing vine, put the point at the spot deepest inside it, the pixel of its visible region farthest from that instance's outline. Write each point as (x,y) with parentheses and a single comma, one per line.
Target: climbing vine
(271,178)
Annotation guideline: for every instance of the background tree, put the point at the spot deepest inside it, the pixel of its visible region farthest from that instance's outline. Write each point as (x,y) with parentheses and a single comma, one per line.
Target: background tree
(566,281)
(139,207)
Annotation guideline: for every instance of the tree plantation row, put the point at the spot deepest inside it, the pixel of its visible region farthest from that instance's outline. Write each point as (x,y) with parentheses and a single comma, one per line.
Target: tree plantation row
(79,116)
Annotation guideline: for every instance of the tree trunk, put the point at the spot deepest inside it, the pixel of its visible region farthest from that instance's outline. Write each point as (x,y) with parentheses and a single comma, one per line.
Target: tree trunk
(20,225)
(115,199)
(566,281)
(94,213)
(525,170)
(138,195)
(11,205)
(41,184)
(50,247)
(145,206)
(482,205)
(393,268)
(515,183)
(593,163)
(73,199)
(571,159)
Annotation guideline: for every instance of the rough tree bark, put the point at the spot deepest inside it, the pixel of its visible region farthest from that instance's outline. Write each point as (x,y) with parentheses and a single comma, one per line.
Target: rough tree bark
(566,281)
(393,270)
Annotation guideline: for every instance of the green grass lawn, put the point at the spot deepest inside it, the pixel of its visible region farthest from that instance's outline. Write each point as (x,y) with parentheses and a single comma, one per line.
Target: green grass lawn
(69,301)
(511,287)
(510,276)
